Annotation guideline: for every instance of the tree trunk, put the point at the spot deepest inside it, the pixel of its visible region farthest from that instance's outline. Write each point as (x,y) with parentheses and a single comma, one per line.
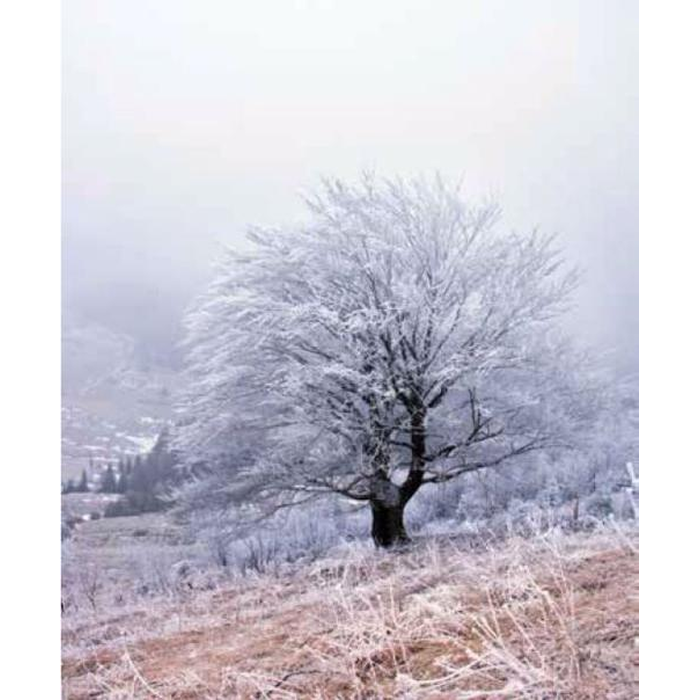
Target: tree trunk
(416,474)
(387,512)
(387,525)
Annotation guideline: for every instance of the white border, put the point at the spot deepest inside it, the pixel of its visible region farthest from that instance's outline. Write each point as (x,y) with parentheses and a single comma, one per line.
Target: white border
(30,348)
(669,352)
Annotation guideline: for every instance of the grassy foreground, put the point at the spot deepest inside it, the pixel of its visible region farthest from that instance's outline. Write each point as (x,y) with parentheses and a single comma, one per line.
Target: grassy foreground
(553,616)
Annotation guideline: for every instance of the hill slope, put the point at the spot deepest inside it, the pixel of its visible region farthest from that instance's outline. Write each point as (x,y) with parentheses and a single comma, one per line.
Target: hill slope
(114,400)
(555,616)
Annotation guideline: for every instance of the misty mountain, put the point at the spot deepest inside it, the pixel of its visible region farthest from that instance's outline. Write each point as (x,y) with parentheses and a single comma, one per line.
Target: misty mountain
(117,395)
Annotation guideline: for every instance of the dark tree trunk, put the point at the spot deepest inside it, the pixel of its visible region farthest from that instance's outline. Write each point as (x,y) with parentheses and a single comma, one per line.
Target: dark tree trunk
(387,513)
(388,499)
(387,525)
(416,474)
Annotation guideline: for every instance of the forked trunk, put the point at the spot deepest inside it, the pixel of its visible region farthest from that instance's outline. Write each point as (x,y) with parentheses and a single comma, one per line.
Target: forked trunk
(387,525)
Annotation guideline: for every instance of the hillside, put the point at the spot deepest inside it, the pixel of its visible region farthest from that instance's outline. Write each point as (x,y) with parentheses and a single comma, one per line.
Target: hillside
(555,616)
(115,400)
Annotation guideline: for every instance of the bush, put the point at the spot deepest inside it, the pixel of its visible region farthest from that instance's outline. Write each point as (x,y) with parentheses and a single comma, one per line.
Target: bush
(598,505)
(118,509)
(434,503)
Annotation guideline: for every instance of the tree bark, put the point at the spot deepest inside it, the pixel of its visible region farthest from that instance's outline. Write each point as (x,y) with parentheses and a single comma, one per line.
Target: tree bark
(387,513)
(387,525)
(416,474)
(388,499)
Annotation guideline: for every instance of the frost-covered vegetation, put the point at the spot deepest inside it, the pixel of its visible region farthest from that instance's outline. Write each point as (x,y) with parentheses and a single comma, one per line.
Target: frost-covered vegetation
(396,341)
(393,375)
(111,562)
(392,367)
(544,613)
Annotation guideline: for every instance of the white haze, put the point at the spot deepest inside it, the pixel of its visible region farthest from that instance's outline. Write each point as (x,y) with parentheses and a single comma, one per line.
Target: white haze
(185,121)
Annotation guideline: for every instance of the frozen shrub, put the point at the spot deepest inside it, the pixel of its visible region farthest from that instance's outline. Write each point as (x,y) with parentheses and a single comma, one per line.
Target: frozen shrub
(216,531)
(157,569)
(182,569)
(256,554)
(353,525)
(310,534)
(525,516)
(621,505)
(218,545)
(89,584)
(434,503)
(598,505)
(306,533)
(476,504)
(120,508)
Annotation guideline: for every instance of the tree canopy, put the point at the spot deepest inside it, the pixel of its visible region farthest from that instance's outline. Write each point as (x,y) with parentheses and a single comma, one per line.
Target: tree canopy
(395,339)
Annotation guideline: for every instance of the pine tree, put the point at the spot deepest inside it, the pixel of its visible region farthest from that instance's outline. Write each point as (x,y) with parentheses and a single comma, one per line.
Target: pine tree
(83,485)
(145,477)
(109,481)
(122,482)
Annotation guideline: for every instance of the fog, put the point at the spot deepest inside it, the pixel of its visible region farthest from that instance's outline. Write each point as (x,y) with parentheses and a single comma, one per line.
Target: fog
(183,122)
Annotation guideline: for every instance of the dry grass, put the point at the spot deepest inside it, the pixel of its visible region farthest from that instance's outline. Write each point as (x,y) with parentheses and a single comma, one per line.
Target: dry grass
(555,616)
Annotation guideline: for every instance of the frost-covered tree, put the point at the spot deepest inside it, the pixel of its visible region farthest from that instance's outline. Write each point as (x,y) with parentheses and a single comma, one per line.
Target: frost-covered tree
(397,339)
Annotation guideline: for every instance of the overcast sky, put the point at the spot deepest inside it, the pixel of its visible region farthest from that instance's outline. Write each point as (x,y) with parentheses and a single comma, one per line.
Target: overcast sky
(186,120)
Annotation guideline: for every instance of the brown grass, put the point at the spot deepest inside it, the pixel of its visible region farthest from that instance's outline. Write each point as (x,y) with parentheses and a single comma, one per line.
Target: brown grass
(551,617)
